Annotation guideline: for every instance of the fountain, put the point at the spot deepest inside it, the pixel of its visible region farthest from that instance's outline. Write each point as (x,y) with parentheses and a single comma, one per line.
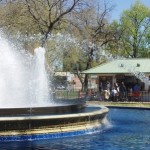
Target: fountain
(27,108)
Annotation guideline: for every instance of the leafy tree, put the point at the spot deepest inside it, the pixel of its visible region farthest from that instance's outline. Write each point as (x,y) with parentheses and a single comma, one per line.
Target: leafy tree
(86,23)
(135,24)
(15,19)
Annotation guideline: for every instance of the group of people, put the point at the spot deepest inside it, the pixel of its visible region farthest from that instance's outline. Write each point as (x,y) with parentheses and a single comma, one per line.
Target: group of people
(118,91)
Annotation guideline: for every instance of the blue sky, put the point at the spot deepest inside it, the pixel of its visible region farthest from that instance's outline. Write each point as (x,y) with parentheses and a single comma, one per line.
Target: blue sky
(121,5)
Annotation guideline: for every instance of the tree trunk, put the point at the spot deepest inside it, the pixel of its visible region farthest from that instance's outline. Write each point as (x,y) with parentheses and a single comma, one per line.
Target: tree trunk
(44,38)
(134,53)
(86,82)
(88,66)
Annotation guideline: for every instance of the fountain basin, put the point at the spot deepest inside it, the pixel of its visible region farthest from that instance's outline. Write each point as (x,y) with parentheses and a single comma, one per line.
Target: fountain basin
(25,126)
(59,107)
(25,113)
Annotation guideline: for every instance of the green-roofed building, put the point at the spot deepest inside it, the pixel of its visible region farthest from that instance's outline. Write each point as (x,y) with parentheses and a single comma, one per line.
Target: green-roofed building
(126,70)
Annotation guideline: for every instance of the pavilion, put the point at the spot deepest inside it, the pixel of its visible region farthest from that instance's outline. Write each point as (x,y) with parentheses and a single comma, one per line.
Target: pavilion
(122,70)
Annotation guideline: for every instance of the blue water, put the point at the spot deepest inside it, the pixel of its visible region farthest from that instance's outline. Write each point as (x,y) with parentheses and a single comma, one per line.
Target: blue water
(128,129)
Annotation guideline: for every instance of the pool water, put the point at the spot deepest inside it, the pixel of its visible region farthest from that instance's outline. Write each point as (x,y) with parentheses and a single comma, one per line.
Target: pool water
(127,129)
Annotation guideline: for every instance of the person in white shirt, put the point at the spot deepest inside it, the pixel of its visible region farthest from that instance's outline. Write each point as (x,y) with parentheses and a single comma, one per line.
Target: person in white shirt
(114,94)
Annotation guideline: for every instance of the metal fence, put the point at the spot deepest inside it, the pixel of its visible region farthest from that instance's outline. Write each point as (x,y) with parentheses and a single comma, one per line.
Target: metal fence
(142,96)
(65,94)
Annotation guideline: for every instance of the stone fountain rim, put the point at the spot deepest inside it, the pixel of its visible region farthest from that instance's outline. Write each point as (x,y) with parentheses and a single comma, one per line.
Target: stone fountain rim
(102,110)
(65,106)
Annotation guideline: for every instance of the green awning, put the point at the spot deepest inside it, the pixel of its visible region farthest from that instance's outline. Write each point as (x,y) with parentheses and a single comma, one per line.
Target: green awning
(120,66)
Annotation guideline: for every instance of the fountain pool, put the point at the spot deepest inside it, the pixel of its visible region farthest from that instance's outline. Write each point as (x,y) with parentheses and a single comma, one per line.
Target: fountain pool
(27,108)
(128,130)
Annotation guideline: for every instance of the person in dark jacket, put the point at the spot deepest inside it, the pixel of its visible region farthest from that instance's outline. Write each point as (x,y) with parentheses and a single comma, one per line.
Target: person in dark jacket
(123,91)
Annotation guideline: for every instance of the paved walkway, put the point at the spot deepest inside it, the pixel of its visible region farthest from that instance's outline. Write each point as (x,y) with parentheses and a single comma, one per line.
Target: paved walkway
(122,104)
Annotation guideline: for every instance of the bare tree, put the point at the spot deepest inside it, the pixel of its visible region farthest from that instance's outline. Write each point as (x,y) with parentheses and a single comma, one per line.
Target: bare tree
(50,14)
(93,30)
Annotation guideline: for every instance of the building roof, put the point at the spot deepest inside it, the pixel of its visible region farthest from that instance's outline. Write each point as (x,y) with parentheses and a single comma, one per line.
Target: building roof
(120,66)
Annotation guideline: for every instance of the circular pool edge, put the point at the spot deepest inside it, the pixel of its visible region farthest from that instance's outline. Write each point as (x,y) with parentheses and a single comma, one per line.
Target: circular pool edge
(51,126)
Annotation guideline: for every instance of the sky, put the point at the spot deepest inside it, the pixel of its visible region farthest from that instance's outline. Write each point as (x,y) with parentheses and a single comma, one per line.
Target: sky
(121,5)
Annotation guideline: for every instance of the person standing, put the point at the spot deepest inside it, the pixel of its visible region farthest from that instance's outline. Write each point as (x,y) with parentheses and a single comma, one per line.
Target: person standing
(136,91)
(114,94)
(123,91)
(108,87)
(118,91)
(100,87)
(106,91)
(100,93)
